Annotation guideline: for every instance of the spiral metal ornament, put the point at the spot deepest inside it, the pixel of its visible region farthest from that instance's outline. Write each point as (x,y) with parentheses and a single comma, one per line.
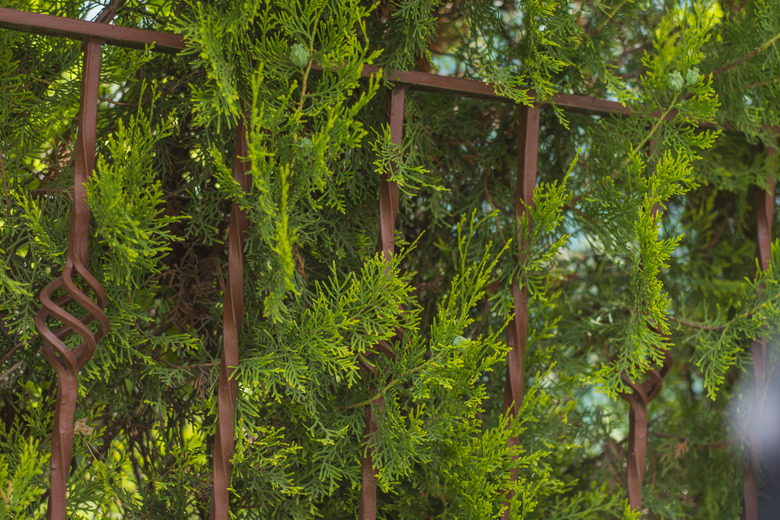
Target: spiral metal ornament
(65,361)
(638,399)
(388,211)
(232,321)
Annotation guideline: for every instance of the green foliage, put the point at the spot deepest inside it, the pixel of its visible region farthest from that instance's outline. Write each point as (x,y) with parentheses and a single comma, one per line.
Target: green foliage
(125,198)
(22,472)
(640,242)
(409,30)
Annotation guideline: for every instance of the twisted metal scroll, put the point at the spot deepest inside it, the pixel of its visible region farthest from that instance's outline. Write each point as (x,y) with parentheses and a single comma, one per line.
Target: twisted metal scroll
(517,330)
(765,214)
(232,320)
(65,361)
(638,400)
(388,211)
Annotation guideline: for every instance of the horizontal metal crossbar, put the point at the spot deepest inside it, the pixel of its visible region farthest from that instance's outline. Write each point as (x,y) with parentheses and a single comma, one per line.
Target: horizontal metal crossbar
(172,43)
(473,87)
(38,23)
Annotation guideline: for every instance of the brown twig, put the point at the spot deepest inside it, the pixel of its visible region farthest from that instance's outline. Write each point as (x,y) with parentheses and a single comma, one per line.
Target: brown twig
(695,325)
(607,19)
(8,372)
(118,103)
(16,347)
(187,367)
(5,189)
(109,12)
(761,48)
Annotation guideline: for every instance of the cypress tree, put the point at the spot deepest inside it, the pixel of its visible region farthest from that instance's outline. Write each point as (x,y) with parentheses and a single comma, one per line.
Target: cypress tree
(640,244)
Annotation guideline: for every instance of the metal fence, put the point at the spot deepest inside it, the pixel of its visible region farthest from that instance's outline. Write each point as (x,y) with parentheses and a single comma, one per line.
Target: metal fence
(67,362)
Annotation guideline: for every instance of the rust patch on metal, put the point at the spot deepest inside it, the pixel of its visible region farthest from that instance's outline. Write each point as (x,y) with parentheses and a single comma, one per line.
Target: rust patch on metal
(232,321)
(65,361)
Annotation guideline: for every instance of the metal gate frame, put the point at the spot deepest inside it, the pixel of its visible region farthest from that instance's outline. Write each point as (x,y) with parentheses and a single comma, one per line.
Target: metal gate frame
(67,363)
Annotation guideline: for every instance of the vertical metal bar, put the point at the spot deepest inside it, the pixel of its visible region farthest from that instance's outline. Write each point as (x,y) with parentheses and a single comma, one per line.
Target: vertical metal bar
(638,399)
(388,211)
(517,331)
(232,320)
(750,486)
(388,190)
(765,214)
(368,502)
(68,362)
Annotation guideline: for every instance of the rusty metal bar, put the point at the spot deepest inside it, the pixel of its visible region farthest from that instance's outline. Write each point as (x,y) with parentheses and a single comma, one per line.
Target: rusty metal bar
(172,43)
(232,320)
(368,502)
(517,330)
(750,486)
(388,190)
(765,214)
(68,362)
(388,212)
(166,42)
(638,399)
(475,88)
(38,23)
